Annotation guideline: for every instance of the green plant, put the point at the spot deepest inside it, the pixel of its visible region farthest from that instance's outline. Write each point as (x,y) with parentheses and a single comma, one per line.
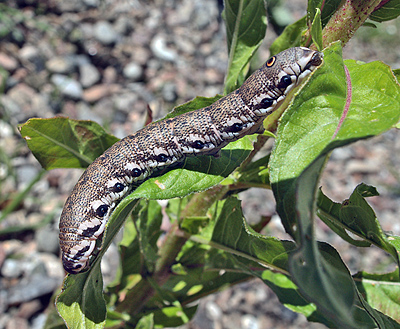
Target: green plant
(209,244)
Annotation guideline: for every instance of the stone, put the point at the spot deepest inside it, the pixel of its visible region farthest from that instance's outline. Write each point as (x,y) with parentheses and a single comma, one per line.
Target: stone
(98,92)
(60,64)
(159,48)
(105,33)
(47,240)
(67,86)
(88,75)
(7,62)
(12,268)
(133,71)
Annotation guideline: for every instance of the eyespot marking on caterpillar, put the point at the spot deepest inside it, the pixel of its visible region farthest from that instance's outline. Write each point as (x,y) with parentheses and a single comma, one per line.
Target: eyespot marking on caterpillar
(285,82)
(266,102)
(166,143)
(270,62)
(236,127)
(102,210)
(198,144)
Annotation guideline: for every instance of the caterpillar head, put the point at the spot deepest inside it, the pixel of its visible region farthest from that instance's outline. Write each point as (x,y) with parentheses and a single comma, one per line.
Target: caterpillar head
(268,86)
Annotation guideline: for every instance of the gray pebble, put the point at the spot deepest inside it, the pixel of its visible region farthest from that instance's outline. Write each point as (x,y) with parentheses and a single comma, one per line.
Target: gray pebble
(159,48)
(31,287)
(12,268)
(133,71)
(105,33)
(89,75)
(169,92)
(85,112)
(26,174)
(47,240)
(67,86)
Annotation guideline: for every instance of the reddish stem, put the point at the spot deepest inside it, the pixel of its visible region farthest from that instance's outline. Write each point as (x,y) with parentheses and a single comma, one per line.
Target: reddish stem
(348,101)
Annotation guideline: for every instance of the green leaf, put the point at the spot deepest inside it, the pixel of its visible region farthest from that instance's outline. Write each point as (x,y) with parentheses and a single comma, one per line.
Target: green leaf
(315,124)
(65,143)
(316,30)
(246,24)
(356,215)
(197,174)
(381,291)
(290,37)
(328,8)
(81,303)
(138,250)
(319,122)
(387,12)
(319,272)
(232,234)
(146,322)
(329,212)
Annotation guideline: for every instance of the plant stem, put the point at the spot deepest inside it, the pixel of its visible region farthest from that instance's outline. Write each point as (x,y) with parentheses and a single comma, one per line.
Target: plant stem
(137,297)
(349,16)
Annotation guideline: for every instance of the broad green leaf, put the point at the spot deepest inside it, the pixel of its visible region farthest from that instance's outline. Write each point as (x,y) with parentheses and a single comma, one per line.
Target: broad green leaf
(328,211)
(387,12)
(197,174)
(316,30)
(81,303)
(328,8)
(290,37)
(246,24)
(314,124)
(232,234)
(139,250)
(382,292)
(357,216)
(146,322)
(319,271)
(65,143)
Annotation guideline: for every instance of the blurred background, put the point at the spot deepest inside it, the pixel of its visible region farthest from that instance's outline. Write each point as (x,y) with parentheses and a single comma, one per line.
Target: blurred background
(105,61)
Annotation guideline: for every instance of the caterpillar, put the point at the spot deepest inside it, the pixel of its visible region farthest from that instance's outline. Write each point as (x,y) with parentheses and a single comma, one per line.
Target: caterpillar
(162,144)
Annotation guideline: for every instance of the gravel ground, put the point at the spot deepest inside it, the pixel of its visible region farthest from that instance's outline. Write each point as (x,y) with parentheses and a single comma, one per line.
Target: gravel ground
(105,61)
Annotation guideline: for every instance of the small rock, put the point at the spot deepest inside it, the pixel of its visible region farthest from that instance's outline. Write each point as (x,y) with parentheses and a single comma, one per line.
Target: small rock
(89,75)
(98,92)
(31,54)
(159,48)
(39,321)
(12,268)
(123,25)
(27,309)
(26,174)
(67,86)
(60,64)
(133,71)
(169,92)
(249,322)
(7,62)
(110,75)
(47,240)
(17,323)
(125,101)
(105,33)
(30,287)
(213,311)
(70,6)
